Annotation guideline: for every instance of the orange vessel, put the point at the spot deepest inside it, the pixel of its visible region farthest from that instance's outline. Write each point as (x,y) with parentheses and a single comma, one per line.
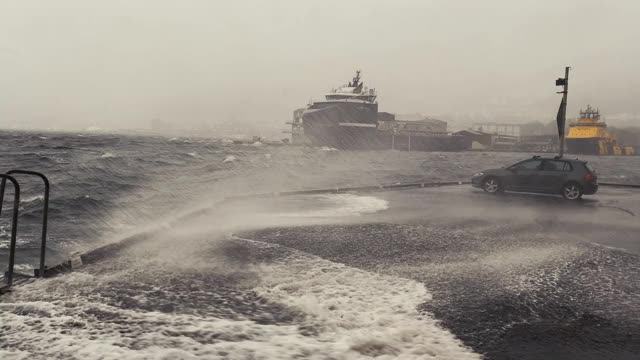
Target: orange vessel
(589,136)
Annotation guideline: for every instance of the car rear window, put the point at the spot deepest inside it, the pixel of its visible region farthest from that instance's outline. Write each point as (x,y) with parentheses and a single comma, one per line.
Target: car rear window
(589,167)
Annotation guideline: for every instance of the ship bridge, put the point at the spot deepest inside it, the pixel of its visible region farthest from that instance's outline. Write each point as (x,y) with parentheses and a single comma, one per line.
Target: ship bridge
(354,90)
(588,125)
(589,117)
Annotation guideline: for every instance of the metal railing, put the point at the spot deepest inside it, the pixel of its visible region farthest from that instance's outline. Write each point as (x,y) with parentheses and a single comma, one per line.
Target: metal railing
(41,271)
(14,222)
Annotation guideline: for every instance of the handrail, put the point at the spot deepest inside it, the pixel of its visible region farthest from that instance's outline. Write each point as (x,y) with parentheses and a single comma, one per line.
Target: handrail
(14,221)
(45,213)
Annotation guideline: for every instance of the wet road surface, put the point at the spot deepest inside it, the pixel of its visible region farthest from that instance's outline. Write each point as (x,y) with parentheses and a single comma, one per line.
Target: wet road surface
(516,276)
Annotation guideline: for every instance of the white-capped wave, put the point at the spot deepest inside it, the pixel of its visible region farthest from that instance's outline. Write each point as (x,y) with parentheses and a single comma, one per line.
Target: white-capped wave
(182,140)
(358,314)
(349,314)
(108,155)
(229,158)
(31,199)
(23,268)
(326,148)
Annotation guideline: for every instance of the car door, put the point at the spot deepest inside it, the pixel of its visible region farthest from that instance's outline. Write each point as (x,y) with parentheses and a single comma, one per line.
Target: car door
(523,175)
(553,175)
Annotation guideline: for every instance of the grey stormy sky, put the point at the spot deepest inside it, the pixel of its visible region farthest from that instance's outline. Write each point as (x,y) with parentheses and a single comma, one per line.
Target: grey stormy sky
(121,63)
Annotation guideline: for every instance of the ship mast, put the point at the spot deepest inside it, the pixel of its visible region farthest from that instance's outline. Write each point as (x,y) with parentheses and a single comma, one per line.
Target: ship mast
(356,79)
(561,118)
(356,83)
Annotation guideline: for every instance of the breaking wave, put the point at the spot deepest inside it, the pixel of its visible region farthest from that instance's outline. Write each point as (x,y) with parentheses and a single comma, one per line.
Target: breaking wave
(342,313)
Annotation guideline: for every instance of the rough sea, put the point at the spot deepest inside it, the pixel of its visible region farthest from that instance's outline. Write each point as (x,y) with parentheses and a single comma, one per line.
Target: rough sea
(437,273)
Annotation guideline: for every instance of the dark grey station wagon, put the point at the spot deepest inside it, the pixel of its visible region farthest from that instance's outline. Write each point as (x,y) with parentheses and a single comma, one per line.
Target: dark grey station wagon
(570,178)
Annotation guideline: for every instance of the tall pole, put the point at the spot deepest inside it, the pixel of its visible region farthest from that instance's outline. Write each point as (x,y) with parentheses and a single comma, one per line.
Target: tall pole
(562,111)
(564,116)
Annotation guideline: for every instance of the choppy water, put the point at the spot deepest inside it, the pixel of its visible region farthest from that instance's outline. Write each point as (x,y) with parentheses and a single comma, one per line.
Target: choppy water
(335,276)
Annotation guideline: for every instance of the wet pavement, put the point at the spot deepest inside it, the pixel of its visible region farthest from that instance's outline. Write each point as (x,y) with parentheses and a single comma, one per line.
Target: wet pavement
(516,276)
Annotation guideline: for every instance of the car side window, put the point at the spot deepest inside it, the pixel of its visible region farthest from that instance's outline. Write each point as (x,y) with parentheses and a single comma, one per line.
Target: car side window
(555,165)
(549,166)
(528,165)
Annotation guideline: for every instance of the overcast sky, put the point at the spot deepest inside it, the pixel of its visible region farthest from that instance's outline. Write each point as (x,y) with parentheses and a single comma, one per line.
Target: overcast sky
(119,64)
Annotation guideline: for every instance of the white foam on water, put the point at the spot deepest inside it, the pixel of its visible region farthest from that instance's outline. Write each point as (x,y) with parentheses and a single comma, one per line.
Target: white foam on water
(350,314)
(23,268)
(326,148)
(341,205)
(359,314)
(229,158)
(108,155)
(30,199)
(14,355)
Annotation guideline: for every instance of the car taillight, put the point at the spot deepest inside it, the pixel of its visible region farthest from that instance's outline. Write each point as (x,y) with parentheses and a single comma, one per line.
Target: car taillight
(589,177)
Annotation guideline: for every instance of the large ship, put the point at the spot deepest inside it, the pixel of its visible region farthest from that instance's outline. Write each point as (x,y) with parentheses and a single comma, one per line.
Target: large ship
(347,119)
(589,136)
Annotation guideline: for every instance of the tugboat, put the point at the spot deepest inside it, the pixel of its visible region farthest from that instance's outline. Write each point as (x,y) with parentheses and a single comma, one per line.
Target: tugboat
(588,136)
(347,119)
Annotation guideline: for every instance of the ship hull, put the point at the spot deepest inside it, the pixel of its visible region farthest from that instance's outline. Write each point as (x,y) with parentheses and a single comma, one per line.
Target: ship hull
(588,146)
(342,125)
(353,125)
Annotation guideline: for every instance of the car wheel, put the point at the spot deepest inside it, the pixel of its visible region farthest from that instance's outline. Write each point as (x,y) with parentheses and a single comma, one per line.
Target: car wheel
(491,185)
(572,191)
